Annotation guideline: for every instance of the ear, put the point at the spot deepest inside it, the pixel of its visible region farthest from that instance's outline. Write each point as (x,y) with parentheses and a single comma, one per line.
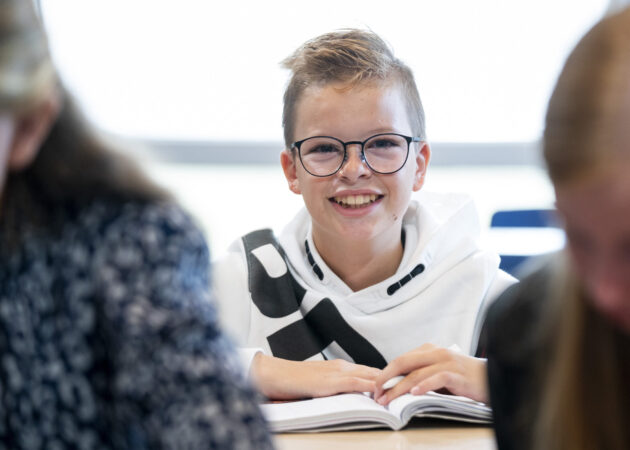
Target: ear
(287,159)
(423,155)
(31,130)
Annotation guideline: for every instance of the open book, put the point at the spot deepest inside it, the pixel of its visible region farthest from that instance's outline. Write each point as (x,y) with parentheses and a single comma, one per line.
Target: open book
(356,411)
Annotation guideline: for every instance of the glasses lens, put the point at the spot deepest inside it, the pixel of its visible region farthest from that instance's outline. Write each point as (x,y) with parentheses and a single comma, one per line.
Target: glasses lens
(386,153)
(321,155)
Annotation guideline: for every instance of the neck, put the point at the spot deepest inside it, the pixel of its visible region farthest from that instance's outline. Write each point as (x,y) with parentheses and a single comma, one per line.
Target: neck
(361,263)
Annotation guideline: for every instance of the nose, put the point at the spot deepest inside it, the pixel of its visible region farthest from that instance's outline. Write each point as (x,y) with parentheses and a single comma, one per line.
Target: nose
(354,167)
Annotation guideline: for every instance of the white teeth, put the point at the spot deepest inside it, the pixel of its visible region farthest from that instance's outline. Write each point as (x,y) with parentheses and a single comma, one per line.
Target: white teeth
(356,201)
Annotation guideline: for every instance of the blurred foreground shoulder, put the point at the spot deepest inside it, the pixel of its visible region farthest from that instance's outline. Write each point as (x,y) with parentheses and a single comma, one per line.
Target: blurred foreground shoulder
(516,340)
(177,379)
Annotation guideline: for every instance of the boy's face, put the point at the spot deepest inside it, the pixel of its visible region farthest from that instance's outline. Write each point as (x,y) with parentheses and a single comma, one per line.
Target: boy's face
(380,201)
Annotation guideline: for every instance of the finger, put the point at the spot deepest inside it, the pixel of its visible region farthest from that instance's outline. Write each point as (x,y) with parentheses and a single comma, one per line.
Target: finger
(355,384)
(351,369)
(427,346)
(402,387)
(426,355)
(398,367)
(381,386)
(458,382)
(435,382)
(412,380)
(371,373)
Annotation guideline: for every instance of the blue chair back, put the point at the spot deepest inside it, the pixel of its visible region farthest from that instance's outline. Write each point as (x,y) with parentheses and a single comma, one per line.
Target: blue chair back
(529,218)
(522,218)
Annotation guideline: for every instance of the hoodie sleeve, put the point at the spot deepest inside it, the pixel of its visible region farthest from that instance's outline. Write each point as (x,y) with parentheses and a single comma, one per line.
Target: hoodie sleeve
(229,278)
(230,288)
(501,282)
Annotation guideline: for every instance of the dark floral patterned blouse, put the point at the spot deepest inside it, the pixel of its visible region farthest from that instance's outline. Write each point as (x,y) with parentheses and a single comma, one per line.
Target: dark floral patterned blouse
(108,339)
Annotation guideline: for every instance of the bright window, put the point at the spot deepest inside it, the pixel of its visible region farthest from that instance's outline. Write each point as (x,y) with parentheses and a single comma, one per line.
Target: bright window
(203,70)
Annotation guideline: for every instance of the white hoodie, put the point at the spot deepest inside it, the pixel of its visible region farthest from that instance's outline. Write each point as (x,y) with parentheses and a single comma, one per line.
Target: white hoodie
(439,294)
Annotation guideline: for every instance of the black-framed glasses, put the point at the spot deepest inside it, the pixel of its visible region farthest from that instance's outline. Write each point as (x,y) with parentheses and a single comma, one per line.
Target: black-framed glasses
(384,153)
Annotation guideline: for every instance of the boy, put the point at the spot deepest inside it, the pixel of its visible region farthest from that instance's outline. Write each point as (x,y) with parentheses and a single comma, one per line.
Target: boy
(364,274)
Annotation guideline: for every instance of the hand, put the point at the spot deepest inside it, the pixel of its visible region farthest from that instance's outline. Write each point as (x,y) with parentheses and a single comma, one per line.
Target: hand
(282,379)
(429,368)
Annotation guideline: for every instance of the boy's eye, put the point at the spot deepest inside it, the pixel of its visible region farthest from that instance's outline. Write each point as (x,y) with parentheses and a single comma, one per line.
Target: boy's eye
(386,143)
(327,148)
(382,143)
(323,148)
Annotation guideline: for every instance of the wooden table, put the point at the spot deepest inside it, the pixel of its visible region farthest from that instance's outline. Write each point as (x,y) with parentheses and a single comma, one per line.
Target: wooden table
(415,436)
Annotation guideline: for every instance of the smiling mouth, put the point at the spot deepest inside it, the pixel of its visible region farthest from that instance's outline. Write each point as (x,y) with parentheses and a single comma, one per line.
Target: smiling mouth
(356,201)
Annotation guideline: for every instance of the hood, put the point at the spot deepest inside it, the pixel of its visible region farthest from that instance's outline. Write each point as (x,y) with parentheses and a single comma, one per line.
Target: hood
(441,231)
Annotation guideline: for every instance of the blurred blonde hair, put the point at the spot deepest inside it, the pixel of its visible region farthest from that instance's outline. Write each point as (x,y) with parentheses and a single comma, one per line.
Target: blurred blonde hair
(586,128)
(586,398)
(26,70)
(74,165)
(350,57)
(585,390)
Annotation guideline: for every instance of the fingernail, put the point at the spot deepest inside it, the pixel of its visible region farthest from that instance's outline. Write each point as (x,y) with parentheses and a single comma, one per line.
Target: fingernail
(415,391)
(382,399)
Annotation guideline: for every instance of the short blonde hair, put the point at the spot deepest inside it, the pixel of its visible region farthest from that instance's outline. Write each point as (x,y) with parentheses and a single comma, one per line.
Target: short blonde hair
(351,57)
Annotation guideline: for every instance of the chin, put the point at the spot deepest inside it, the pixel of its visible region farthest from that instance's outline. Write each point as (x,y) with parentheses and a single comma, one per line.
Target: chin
(354,234)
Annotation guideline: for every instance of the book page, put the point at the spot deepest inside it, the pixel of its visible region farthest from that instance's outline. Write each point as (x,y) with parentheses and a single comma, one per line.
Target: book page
(326,411)
(433,404)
